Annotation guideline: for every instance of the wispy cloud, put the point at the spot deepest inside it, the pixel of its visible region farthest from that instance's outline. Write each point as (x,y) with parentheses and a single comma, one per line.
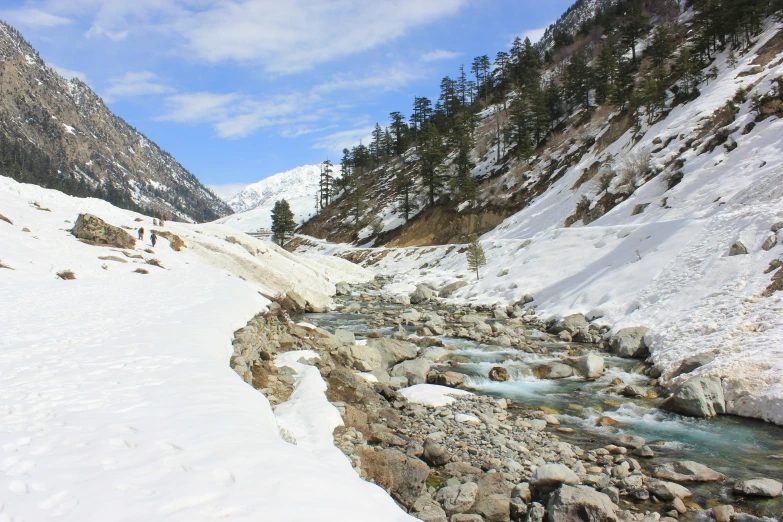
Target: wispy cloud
(227,191)
(440,54)
(31,16)
(337,141)
(134,84)
(388,80)
(535,34)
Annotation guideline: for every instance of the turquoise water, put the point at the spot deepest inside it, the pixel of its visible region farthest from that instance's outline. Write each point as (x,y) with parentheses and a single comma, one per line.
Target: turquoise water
(737,447)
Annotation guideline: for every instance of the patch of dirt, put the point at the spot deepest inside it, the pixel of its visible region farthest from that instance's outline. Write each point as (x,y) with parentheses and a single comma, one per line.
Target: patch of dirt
(441,225)
(769,50)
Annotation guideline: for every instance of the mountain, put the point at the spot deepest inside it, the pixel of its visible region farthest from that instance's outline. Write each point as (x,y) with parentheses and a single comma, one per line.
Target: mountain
(59,134)
(253,204)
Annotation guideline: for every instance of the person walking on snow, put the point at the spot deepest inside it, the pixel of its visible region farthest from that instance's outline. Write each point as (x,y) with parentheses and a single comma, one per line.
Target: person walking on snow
(141,234)
(153,238)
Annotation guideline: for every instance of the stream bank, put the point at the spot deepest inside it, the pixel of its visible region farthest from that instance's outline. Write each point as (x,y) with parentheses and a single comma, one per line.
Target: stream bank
(494,454)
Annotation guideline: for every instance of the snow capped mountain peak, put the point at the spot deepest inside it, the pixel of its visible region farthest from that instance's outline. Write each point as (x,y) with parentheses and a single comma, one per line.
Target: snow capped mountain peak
(295,183)
(253,204)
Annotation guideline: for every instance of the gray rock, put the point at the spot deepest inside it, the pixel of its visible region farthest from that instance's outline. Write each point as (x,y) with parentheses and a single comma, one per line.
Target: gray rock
(687,471)
(629,342)
(493,501)
(693,362)
(591,365)
(393,351)
(345,336)
(536,512)
(551,476)
(401,476)
(522,491)
(352,308)
(738,249)
(770,242)
(422,294)
(554,370)
(498,373)
(466,517)
(93,229)
(668,491)
(410,316)
(571,324)
(343,288)
(435,454)
(777,226)
(573,503)
(723,513)
(431,512)
(450,379)
(698,397)
(499,313)
(415,370)
(363,358)
(458,499)
(450,288)
(629,441)
(759,487)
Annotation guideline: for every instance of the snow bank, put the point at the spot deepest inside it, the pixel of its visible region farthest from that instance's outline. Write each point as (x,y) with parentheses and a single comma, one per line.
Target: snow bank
(116,396)
(432,394)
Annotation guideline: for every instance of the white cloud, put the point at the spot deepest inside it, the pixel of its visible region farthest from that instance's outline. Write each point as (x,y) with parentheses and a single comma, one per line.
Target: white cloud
(295,35)
(338,141)
(439,54)
(234,116)
(534,34)
(388,80)
(70,73)
(133,84)
(31,16)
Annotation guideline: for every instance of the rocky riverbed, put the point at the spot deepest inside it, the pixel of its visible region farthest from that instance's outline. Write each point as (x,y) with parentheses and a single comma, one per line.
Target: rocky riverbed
(485,453)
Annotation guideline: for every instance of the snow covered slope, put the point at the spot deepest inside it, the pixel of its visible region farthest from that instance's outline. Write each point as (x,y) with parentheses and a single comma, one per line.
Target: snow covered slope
(253,204)
(660,258)
(117,401)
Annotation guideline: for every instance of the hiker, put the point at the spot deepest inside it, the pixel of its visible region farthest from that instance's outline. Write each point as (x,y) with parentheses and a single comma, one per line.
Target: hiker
(153,238)
(141,234)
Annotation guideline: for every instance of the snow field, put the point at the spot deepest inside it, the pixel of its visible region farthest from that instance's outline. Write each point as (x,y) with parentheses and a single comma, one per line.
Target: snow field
(117,401)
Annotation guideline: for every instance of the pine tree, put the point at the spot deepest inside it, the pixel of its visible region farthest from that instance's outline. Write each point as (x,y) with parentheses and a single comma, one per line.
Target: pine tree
(283,222)
(398,128)
(578,80)
(430,156)
(404,187)
(475,255)
(326,184)
(635,27)
(606,71)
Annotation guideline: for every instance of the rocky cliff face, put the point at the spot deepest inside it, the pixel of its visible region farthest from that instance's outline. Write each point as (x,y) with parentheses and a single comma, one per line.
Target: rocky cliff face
(59,134)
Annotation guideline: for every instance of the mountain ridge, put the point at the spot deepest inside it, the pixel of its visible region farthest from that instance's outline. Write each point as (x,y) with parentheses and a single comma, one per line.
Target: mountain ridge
(58,133)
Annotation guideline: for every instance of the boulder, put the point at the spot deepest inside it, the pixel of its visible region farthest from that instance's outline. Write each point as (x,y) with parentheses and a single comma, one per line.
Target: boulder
(493,501)
(498,373)
(668,491)
(435,353)
(401,476)
(94,230)
(629,342)
(422,294)
(458,499)
(345,336)
(343,288)
(428,510)
(450,379)
(175,242)
(301,302)
(738,249)
(770,242)
(687,471)
(414,370)
(723,513)
(393,351)
(363,358)
(572,503)
(549,477)
(693,362)
(435,454)
(698,397)
(777,226)
(554,370)
(571,323)
(629,441)
(758,487)
(450,288)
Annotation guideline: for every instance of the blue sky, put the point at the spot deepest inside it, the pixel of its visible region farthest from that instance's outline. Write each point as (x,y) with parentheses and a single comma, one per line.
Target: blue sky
(238,90)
